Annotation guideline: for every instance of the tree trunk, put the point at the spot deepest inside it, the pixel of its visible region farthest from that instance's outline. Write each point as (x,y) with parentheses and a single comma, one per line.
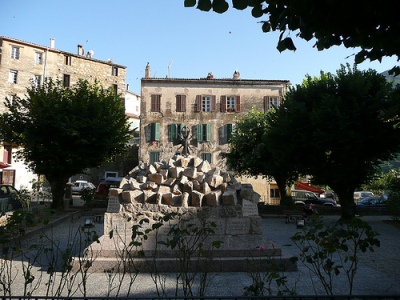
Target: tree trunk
(347,205)
(57,191)
(282,190)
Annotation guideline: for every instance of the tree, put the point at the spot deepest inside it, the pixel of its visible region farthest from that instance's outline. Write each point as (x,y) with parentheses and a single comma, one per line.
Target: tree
(343,126)
(252,154)
(375,28)
(64,130)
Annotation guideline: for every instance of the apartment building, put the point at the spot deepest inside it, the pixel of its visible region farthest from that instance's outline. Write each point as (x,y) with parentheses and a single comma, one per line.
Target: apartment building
(24,63)
(203,109)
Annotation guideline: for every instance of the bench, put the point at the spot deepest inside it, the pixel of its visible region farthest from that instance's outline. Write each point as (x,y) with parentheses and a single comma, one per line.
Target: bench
(292,215)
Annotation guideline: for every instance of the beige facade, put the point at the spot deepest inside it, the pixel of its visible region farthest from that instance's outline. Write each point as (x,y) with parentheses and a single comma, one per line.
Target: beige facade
(208,107)
(24,63)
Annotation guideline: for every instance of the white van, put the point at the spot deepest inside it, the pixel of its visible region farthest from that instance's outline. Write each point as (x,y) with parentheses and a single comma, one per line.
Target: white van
(362,194)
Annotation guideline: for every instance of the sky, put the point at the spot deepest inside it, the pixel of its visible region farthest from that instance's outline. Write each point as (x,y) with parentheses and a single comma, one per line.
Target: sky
(176,41)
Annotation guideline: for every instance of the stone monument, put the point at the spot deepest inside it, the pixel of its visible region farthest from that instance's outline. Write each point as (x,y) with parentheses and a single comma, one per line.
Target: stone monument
(200,195)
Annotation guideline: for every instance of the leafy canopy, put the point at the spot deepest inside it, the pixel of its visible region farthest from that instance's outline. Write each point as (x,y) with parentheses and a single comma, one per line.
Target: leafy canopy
(375,28)
(343,126)
(64,130)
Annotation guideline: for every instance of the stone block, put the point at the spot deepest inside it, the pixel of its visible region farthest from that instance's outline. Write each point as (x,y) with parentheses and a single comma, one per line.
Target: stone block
(197,199)
(164,189)
(175,172)
(185,200)
(151,170)
(134,185)
(214,180)
(213,199)
(164,173)
(229,197)
(205,188)
(190,173)
(204,167)
(150,196)
(167,199)
(184,179)
(200,177)
(188,187)
(149,185)
(157,178)
(114,192)
(169,181)
(196,185)
(133,196)
(246,191)
(141,179)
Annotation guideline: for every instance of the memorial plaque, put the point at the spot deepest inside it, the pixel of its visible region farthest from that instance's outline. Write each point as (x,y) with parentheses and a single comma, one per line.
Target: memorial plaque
(237,226)
(249,208)
(113,204)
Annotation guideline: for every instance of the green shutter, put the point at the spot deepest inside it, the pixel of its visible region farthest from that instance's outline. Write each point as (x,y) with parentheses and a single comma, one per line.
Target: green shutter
(172,133)
(155,131)
(209,133)
(154,157)
(199,133)
(229,128)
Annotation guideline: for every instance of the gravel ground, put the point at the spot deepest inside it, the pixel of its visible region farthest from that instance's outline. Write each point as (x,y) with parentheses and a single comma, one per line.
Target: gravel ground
(378,273)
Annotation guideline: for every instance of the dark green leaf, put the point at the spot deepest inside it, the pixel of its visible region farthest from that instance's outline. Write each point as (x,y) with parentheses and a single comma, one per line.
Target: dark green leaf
(204,5)
(220,6)
(239,4)
(189,3)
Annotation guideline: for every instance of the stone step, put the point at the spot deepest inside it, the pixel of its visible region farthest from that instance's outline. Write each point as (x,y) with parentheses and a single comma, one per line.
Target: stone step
(167,265)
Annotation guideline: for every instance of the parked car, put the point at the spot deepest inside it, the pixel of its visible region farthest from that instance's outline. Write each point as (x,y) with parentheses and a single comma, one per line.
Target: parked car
(9,198)
(362,194)
(104,187)
(303,198)
(372,201)
(80,185)
(107,183)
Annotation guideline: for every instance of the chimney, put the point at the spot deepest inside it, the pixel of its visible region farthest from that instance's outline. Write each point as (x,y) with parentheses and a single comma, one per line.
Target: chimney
(80,50)
(236,75)
(52,43)
(147,72)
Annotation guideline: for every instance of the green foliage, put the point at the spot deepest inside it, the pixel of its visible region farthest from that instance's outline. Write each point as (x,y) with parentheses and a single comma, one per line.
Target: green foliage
(256,150)
(264,282)
(337,123)
(64,130)
(328,23)
(330,250)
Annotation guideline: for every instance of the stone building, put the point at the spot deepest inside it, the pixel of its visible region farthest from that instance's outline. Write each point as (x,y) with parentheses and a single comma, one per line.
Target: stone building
(204,109)
(24,63)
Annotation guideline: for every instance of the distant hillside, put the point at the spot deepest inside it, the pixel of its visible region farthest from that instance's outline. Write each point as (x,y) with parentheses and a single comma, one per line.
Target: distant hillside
(391,78)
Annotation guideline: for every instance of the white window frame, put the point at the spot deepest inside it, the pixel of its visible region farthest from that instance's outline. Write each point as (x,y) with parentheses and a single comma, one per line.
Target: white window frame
(13,76)
(38,58)
(37,80)
(206,103)
(274,102)
(15,52)
(230,103)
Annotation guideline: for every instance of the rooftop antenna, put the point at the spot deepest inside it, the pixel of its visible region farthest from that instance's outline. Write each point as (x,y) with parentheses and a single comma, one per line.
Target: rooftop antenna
(169,67)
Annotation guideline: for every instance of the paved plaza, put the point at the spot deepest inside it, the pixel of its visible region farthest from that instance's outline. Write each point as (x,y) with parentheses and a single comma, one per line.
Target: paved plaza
(378,273)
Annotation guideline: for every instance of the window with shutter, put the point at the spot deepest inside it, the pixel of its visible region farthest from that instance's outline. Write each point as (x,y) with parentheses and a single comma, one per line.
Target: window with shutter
(223,103)
(155,131)
(206,156)
(180,102)
(229,130)
(155,103)
(154,157)
(266,103)
(204,133)
(172,132)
